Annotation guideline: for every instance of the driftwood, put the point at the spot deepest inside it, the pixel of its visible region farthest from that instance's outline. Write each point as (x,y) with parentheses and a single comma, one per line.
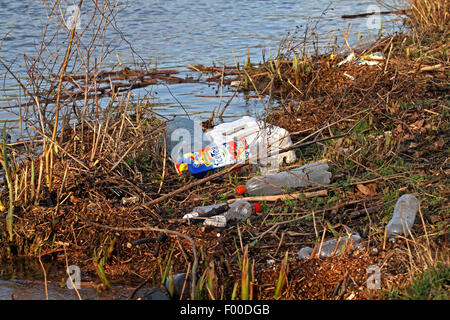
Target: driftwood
(282,196)
(361,15)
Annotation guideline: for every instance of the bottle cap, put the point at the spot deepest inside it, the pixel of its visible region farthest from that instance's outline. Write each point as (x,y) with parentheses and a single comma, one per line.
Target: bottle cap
(257,207)
(183,167)
(241,189)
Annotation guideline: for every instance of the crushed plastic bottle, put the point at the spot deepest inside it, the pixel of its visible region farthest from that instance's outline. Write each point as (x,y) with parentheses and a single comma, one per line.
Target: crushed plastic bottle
(328,247)
(206,211)
(219,221)
(239,210)
(213,157)
(312,174)
(405,211)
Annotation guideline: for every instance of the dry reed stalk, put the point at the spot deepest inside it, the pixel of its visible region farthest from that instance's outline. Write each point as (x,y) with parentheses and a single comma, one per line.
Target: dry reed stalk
(45,276)
(288,196)
(58,106)
(321,242)
(41,169)
(164,165)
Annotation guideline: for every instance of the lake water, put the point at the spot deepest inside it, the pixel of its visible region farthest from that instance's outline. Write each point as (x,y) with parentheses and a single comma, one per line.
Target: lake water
(174,34)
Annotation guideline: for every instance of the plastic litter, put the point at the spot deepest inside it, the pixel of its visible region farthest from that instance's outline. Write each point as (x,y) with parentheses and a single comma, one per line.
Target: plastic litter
(237,141)
(219,221)
(351,57)
(328,247)
(371,59)
(239,210)
(184,135)
(175,283)
(207,211)
(405,211)
(262,138)
(312,174)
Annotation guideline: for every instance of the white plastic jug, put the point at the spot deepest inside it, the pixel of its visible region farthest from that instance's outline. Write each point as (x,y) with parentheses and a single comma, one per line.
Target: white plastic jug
(263,140)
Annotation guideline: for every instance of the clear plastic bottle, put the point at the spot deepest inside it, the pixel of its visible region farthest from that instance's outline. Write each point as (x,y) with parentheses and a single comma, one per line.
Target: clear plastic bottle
(405,211)
(204,211)
(239,210)
(216,222)
(312,174)
(328,247)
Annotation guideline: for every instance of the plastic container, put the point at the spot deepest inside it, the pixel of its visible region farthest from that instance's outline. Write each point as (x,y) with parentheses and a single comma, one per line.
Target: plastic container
(204,211)
(264,140)
(238,211)
(183,136)
(371,59)
(219,221)
(328,247)
(245,139)
(214,156)
(312,174)
(241,210)
(405,211)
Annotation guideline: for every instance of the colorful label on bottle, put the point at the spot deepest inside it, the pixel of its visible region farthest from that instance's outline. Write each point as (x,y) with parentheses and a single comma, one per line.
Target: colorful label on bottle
(216,156)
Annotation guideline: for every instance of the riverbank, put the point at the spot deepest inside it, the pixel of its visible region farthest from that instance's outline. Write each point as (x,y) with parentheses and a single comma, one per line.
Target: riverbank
(101,185)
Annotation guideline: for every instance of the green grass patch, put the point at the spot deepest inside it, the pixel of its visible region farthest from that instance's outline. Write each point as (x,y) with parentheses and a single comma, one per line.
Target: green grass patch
(433,284)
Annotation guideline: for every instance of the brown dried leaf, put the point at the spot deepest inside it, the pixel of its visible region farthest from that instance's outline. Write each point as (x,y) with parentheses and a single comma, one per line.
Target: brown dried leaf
(367,190)
(418,124)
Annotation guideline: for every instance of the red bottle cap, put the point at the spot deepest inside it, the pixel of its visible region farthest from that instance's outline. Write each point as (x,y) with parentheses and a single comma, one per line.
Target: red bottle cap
(257,207)
(240,189)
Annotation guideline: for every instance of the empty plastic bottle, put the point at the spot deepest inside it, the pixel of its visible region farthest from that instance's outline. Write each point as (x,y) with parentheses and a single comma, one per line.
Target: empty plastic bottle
(241,210)
(312,174)
(238,211)
(328,247)
(404,215)
(219,221)
(207,211)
